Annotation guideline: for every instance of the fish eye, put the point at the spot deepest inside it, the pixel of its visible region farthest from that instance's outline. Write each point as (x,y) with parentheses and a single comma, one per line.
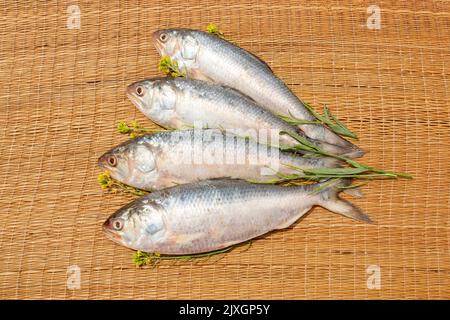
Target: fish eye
(139,90)
(163,37)
(112,161)
(117,225)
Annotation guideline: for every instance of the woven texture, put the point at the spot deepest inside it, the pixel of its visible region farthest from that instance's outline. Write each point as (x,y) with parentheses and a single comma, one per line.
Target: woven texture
(62,94)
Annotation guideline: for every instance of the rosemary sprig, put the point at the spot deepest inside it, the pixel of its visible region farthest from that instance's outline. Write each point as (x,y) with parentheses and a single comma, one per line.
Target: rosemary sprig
(328,119)
(107,183)
(302,179)
(134,129)
(214,29)
(170,67)
(141,259)
(305,145)
(295,121)
(356,169)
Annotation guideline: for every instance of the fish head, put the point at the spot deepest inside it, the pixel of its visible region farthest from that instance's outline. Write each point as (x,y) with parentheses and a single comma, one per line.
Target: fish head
(133,162)
(139,225)
(181,45)
(166,41)
(156,98)
(140,94)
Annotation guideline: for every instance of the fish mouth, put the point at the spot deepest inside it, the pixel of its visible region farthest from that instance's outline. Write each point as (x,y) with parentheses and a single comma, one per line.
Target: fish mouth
(130,92)
(102,161)
(155,39)
(131,96)
(109,233)
(135,101)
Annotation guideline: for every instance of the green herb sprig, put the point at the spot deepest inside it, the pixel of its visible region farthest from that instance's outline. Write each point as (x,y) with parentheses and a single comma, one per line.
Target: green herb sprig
(134,129)
(170,67)
(328,119)
(106,182)
(214,29)
(357,170)
(141,259)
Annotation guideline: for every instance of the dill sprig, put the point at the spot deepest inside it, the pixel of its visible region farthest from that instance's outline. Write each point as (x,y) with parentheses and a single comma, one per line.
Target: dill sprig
(214,29)
(141,259)
(106,182)
(328,119)
(170,67)
(134,129)
(355,170)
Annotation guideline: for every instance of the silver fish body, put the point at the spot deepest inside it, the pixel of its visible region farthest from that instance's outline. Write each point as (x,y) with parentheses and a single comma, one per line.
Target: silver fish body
(163,159)
(211,215)
(207,57)
(182,103)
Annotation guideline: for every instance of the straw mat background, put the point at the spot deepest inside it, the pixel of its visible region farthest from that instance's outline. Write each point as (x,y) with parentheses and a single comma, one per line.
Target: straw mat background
(62,93)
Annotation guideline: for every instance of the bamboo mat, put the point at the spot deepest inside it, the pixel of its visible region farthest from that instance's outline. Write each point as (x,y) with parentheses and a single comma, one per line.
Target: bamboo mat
(62,94)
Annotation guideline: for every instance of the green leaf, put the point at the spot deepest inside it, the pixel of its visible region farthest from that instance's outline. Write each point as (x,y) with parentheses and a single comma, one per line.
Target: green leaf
(106,182)
(122,127)
(304,143)
(134,129)
(170,67)
(296,122)
(343,127)
(213,29)
(143,258)
(335,171)
(328,119)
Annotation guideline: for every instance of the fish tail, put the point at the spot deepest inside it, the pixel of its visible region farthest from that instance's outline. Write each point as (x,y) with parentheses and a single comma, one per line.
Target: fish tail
(329,199)
(354,192)
(328,162)
(331,142)
(350,151)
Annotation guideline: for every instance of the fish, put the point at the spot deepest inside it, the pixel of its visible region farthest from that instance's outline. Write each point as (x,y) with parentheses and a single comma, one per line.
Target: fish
(183,103)
(159,160)
(214,214)
(204,56)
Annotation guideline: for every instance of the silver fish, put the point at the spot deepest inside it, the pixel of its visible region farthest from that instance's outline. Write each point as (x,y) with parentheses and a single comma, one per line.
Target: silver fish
(210,215)
(204,56)
(181,103)
(164,159)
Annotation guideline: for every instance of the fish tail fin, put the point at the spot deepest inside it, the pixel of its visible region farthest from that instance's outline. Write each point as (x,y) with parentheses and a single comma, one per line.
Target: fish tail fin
(331,142)
(354,192)
(329,199)
(354,152)
(329,162)
(350,151)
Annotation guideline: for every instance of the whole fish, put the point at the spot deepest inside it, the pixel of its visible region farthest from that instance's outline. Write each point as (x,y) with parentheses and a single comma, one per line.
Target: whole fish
(166,158)
(204,56)
(181,103)
(210,215)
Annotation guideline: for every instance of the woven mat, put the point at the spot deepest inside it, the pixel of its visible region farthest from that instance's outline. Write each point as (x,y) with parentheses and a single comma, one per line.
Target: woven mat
(62,94)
